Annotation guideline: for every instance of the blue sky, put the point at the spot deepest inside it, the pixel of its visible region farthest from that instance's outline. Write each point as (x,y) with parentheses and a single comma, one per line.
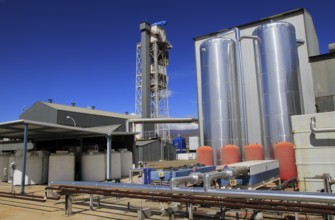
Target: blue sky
(84,51)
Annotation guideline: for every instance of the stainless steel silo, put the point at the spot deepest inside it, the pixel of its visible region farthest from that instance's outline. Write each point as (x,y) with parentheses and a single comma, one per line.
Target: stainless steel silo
(279,81)
(219,91)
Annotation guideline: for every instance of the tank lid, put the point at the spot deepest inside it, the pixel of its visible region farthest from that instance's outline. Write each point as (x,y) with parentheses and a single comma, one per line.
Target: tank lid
(274,24)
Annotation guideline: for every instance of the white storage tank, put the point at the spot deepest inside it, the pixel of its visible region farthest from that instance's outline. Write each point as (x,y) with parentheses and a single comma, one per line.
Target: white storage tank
(61,166)
(34,168)
(4,164)
(93,166)
(193,142)
(126,161)
(45,167)
(116,164)
(314,152)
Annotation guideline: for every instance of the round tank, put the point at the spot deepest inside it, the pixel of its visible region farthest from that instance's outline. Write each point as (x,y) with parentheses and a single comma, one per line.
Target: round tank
(230,154)
(205,155)
(116,164)
(279,81)
(284,153)
(4,170)
(139,129)
(34,169)
(253,152)
(126,161)
(93,166)
(219,89)
(61,166)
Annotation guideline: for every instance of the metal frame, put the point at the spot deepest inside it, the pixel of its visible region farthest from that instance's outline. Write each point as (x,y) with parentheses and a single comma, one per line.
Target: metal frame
(13,130)
(158,87)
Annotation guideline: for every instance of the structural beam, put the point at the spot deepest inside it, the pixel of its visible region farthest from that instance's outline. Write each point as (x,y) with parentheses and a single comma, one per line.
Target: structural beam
(24,158)
(109,158)
(145,28)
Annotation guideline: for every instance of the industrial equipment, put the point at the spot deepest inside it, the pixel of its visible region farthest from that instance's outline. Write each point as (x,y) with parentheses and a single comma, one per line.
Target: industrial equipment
(151,95)
(260,173)
(219,95)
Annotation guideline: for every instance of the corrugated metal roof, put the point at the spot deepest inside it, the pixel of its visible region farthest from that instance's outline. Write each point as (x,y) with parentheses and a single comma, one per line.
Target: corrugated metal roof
(88,111)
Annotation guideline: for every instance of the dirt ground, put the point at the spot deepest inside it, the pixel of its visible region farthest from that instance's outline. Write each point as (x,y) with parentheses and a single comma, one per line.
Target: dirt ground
(18,209)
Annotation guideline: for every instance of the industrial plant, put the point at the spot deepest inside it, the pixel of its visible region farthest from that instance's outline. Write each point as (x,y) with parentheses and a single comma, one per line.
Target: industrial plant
(264,148)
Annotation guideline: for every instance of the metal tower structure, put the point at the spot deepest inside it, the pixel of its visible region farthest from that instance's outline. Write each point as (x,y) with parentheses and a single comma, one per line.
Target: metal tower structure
(152,59)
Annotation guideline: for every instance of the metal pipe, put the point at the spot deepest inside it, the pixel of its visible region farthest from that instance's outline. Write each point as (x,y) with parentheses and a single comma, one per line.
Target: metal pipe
(226,173)
(161,120)
(241,87)
(193,178)
(278,205)
(259,90)
(247,194)
(314,129)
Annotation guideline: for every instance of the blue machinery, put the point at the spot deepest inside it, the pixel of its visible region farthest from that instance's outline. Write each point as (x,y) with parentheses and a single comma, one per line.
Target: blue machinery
(244,175)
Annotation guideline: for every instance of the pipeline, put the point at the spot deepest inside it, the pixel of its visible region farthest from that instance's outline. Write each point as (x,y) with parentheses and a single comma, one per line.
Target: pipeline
(193,178)
(230,193)
(226,173)
(193,199)
(31,197)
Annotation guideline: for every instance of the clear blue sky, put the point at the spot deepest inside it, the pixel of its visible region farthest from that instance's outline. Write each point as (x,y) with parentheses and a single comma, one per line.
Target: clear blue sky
(84,51)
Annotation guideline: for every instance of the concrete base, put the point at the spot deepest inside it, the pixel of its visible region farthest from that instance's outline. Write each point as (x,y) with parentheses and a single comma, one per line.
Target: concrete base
(143,213)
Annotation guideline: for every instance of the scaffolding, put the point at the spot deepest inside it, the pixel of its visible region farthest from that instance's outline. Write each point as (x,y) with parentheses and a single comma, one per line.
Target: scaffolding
(159,60)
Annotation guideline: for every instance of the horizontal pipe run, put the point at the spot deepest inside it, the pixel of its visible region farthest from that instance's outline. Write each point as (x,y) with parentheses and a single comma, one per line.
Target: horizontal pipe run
(23,196)
(232,193)
(193,178)
(161,120)
(227,173)
(314,129)
(118,193)
(212,201)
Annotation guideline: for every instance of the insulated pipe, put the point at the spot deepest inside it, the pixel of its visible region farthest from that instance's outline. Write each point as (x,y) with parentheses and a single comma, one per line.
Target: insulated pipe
(241,87)
(158,120)
(193,178)
(247,194)
(226,173)
(314,129)
(259,90)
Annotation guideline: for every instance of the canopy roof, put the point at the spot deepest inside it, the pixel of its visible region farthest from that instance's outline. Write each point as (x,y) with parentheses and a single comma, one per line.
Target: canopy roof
(39,131)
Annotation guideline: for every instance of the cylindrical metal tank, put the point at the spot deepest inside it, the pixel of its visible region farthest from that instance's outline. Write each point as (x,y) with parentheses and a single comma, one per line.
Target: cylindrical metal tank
(279,81)
(219,91)
(205,155)
(230,154)
(126,161)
